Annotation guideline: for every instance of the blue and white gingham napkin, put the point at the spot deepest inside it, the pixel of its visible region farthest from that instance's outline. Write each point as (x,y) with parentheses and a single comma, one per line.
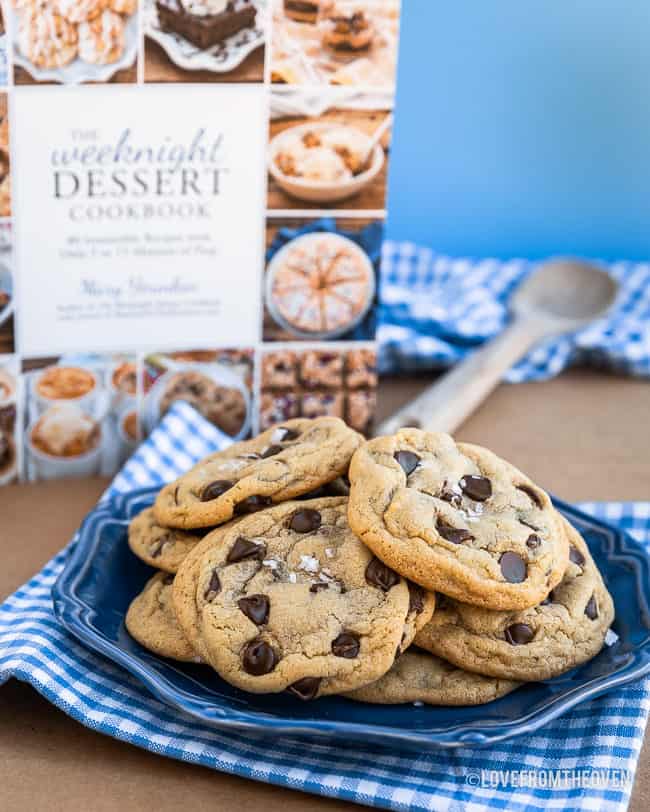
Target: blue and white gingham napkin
(434,310)
(605,734)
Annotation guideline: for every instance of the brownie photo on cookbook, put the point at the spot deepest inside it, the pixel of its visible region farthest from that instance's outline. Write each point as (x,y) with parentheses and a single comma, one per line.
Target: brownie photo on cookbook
(204,23)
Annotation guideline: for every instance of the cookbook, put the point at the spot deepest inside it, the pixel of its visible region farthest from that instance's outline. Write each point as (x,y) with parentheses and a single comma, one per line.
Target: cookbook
(192,203)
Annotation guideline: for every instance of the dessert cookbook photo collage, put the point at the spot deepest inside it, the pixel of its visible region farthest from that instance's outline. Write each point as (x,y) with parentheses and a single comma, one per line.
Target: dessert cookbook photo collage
(73,404)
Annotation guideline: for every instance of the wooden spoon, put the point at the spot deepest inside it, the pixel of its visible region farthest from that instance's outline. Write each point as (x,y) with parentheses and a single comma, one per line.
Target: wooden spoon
(561,296)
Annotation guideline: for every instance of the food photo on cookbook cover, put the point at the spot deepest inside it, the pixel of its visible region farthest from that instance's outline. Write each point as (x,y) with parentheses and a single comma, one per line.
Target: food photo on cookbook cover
(320,281)
(335,42)
(205,40)
(329,149)
(324,396)
(218,383)
(80,415)
(73,41)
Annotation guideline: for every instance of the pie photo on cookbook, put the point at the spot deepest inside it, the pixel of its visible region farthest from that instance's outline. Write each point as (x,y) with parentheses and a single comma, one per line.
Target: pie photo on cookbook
(74,41)
(202,37)
(321,284)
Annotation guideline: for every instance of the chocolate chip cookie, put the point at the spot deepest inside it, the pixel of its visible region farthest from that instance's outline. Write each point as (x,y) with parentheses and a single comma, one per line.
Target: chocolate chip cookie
(421,677)
(566,629)
(289,599)
(184,591)
(280,464)
(456,519)
(151,620)
(161,547)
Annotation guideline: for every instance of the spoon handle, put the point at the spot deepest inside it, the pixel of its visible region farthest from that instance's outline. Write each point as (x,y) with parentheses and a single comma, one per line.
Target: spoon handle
(448,402)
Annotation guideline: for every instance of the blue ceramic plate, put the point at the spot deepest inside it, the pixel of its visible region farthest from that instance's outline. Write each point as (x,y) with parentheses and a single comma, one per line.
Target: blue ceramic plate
(102,576)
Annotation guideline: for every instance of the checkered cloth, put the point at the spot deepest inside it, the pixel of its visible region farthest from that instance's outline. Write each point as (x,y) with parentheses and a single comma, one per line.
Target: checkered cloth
(435,310)
(605,733)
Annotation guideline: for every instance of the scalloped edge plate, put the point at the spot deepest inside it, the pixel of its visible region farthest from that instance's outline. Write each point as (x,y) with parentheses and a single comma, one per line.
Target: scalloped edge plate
(77,72)
(624,565)
(221,58)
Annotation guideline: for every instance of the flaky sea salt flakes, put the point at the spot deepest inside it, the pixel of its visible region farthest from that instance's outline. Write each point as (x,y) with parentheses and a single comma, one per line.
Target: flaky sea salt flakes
(292,577)
(329,552)
(611,637)
(278,435)
(309,563)
(271,563)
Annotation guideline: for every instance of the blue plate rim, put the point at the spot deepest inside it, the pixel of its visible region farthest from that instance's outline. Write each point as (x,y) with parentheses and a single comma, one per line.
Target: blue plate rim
(69,609)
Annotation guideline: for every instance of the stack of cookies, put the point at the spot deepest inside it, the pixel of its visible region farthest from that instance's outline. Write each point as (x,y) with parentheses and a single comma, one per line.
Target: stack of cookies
(308,560)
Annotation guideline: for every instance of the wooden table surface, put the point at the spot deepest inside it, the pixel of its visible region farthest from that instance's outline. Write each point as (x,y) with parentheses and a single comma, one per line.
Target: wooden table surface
(583,436)
(371,197)
(159,68)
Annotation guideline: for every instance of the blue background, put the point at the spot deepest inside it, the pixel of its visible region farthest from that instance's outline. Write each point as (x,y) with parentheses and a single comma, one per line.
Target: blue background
(523,129)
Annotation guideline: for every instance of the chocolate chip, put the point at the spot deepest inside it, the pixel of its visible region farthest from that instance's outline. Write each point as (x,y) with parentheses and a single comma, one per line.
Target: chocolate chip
(256,608)
(442,601)
(381,576)
(244,549)
(215,489)
(258,658)
(346,645)
(168,579)
(271,451)
(513,567)
(528,524)
(478,488)
(407,460)
(213,588)
(305,688)
(457,535)
(176,494)
(591,609)
(576,556)
(448,495)
(416,598)
(156,549)
(318,585)
(305,520)
(532,494)
(533,541)
(289,434)
(519,634)
(252,504)
(410,422)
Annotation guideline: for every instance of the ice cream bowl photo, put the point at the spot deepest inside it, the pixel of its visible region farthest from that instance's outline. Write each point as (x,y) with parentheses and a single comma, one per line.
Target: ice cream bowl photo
(65,384)
(123,384)
(128,429)
(324,162)
(64,442)
(319,285)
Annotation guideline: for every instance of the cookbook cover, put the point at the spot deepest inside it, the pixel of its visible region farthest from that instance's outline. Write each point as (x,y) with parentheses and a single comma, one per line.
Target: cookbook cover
(192,201)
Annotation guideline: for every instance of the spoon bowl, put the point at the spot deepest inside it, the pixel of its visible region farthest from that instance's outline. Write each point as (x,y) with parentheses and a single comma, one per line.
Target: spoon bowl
(565,292)
(559,296)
